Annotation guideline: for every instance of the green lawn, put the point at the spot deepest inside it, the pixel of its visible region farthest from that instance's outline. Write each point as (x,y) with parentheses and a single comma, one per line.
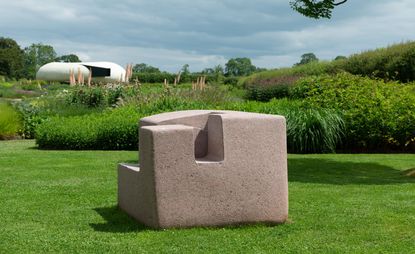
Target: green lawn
(65,201)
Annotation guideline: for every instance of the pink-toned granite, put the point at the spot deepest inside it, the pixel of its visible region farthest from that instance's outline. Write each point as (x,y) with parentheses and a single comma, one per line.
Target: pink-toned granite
(207,168)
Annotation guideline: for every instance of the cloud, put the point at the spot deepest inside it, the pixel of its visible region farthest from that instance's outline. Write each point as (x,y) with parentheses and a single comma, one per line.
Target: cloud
(169,33)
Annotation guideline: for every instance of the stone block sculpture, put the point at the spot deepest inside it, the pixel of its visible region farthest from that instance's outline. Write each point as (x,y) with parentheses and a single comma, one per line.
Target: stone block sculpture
(207,168)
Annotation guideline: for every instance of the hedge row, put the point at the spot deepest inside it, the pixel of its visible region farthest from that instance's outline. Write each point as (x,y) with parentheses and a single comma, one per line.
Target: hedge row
(114,129)
(159,77)
(309,130)
(396,62)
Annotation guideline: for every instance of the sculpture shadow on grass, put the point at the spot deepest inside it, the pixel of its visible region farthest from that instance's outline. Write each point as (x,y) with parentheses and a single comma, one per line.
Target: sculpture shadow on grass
(312,170)
(117,221)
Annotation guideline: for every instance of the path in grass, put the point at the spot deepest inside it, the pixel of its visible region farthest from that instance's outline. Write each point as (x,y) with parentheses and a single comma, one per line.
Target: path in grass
(65,201)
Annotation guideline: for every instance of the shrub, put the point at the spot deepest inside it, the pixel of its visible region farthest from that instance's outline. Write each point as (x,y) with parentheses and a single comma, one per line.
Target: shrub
(35,111)
(396,62)
(309,130)
(266,85)
(230,81)
(10,123)
(154,77)
(276,87)
(113,129)
(31,118)
(378,114)
(91,97)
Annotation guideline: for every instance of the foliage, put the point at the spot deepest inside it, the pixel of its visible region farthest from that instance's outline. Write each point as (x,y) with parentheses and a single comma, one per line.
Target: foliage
(113,129)
(309,130)
(34,111)
(10,123)
(95,97)
(307,58)
(153,77)
(321,133)
(37,55)
(378,114)
(71,58)
(315,8)
(20,89)
(230,81)
(216,74)
(144,68)
(31,117)
(11,58)
(396,62)
(263,86)
(90,97)
(239,67)
(276,87)
(340,58)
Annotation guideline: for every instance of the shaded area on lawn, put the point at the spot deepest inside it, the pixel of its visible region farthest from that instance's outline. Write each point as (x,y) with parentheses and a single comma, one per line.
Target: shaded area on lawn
(116,221)
(312,170)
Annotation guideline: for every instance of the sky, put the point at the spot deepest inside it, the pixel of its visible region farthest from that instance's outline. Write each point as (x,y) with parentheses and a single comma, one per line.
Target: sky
(204,33)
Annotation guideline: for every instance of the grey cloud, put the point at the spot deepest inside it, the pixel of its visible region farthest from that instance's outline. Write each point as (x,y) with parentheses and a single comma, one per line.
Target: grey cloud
(202,32)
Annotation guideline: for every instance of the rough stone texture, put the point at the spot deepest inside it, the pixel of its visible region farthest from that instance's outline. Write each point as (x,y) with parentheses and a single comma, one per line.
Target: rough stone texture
(207,168)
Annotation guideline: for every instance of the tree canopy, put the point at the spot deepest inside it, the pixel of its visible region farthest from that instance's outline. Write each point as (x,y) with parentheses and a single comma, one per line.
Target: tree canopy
(316,8)
(144,68)
(307,58)
(71,58)
(239,67)
(11,58)
(37,55)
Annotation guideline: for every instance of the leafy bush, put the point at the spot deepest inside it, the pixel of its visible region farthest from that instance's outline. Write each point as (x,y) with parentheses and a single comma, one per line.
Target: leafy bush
(31,118)
(266,85)
(94,97)
(396,62)
(230,81)
(91,97)
(378,114)
(153,77)
(276,87)
(113,129)
(159,77)
(118,128)
(35,111)
(10,123)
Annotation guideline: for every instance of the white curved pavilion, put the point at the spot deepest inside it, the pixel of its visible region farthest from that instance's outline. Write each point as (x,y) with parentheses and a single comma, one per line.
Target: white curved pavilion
(101,71)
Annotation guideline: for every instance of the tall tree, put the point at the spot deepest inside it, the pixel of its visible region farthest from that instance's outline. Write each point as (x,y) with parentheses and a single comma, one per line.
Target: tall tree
(316,8)
(185,70)
(11,58)
(307,58)
(71,58)
(239,67)
(37,55)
